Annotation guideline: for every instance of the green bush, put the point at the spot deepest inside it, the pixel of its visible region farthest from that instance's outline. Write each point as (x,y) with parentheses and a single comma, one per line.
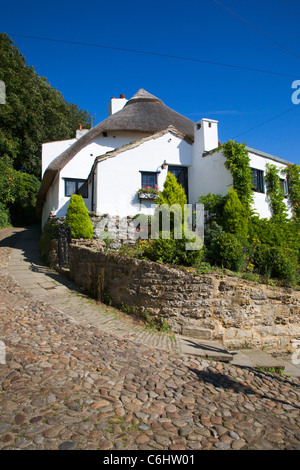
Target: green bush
(49,233)
(227,251)
(235,216)
(172,251)
(23,208)
(78,218)
(4,216)
(276,262)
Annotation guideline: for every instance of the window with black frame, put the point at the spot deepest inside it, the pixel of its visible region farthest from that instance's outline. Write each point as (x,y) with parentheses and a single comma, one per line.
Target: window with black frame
(76,186)
(149,179)
(258,182)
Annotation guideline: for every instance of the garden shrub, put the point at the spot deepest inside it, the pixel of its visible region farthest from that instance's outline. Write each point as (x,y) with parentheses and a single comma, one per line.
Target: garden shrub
(173,251)
(78,218)
(235,215)
(276,262)
(213,205)
(49,233)
(4,216)
(170,246)
(227,251)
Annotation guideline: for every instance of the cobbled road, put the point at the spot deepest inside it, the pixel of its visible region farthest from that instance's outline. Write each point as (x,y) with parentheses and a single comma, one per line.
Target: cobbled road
(66,385)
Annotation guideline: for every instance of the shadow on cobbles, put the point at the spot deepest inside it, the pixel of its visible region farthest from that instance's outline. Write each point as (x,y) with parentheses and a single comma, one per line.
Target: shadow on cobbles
(27,239)
(220,380)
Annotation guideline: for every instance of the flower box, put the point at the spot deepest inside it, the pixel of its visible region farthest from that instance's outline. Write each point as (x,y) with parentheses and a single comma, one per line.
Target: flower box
(147,192)
(147,196)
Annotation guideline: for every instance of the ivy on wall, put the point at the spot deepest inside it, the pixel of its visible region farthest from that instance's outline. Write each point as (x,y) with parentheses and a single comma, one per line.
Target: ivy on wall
(274,192)
(238,163)
(293,177)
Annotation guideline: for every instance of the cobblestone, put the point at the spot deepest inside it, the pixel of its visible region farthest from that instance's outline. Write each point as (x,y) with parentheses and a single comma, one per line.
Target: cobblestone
(70,385)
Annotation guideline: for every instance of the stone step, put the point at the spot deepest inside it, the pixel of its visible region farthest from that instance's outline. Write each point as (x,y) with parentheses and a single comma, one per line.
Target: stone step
(205,349)
(196,332)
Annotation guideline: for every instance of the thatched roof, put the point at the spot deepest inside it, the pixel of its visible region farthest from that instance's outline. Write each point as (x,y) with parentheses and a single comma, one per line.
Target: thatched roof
(142,113)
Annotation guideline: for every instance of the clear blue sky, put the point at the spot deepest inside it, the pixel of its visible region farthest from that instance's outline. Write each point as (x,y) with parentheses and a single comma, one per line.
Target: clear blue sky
(240,99)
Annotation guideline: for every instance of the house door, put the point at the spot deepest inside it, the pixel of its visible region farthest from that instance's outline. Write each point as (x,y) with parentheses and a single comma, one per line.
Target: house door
(181,174)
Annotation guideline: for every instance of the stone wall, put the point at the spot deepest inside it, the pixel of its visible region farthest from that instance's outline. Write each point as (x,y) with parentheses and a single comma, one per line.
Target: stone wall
(208,306)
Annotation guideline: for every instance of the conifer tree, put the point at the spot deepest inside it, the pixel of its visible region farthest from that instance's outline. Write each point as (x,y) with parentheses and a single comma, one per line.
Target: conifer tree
(78,218)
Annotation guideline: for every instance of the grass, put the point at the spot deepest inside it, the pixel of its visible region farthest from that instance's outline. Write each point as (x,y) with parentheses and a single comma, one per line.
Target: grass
(272,370)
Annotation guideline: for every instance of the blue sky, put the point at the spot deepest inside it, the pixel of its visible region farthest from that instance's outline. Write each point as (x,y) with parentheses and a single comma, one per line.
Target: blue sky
(240,99)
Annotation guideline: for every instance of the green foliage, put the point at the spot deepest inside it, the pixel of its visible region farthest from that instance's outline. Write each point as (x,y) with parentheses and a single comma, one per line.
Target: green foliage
(293,177)
(171,246)
(238,163)
(34,112)
(18,192)
(213,205)
(78,218)
(50,232)
(226,250)
(23,209)
(235,215)
(276,262)
(275,193)
(4,216)
(172,251)
(172,193)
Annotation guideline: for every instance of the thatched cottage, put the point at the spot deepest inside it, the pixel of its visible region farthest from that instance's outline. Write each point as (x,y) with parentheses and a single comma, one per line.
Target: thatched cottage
(134,148)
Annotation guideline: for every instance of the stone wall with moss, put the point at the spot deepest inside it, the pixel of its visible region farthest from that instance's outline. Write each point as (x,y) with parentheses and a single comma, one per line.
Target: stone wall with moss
(207,306)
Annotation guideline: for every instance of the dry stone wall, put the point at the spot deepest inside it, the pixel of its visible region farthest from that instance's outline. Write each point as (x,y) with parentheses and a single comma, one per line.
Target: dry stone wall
(208,306)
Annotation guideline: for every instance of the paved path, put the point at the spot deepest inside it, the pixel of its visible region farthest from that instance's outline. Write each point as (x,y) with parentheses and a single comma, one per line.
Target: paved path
(68,382)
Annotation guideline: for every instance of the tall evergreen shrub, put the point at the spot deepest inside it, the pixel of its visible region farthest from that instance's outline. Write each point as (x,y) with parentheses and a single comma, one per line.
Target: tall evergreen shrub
(78,218)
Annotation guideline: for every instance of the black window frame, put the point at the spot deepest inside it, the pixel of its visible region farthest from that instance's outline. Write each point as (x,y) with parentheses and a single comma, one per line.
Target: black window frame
(259,187)
(81,191)
(147,173)
(284,187)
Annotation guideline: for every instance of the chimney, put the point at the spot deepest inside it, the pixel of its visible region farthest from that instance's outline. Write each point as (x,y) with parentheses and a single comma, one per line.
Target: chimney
(205,136)
(80,132)
(116,104)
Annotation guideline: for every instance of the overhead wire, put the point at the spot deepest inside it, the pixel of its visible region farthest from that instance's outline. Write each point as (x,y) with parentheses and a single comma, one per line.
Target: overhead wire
(256,28)
(158,54)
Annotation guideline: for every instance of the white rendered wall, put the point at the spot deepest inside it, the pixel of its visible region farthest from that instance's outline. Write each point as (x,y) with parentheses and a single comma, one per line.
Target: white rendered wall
(79,168)
(206,175)
(211,176)
(261,204)
(51,202)
(119,177)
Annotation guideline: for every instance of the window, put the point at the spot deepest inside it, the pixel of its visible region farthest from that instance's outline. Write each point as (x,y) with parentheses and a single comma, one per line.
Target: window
(181,174)
(284,186)
(76,186)
(149,179)
(258,180)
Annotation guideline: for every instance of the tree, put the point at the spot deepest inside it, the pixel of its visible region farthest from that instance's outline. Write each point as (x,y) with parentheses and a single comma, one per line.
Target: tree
(34,112)
(235,215)
(78,218)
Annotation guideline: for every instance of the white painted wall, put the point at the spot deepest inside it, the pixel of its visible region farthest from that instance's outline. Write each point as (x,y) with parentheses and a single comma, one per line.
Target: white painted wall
(211,176)
(79,167)
(207,175)
(261,204)
(119,177)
